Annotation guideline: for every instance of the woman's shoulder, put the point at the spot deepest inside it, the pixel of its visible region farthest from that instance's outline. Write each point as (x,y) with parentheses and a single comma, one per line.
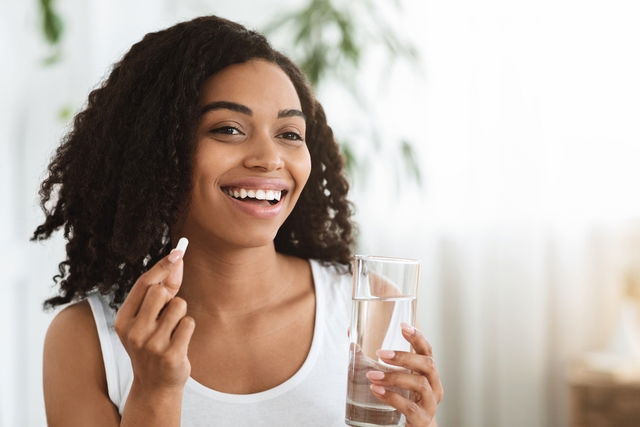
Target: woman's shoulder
(71,331)
(331,271)
(73,370)
(333,281)
(77,327)
(75,319)
(318,269)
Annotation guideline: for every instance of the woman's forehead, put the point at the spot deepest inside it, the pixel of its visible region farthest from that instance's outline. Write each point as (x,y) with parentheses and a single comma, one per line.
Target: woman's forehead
(256,83)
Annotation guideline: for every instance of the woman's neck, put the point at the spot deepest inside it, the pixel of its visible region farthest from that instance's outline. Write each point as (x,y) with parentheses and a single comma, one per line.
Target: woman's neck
(227,284)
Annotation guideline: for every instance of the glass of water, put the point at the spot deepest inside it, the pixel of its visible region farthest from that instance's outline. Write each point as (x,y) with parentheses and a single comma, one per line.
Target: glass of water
(384,296)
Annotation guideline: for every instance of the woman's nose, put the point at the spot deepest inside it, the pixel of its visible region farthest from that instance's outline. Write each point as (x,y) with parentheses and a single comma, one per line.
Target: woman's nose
(264,154)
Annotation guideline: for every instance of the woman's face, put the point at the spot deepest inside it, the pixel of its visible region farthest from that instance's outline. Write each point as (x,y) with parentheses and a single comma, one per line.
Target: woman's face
(251,159)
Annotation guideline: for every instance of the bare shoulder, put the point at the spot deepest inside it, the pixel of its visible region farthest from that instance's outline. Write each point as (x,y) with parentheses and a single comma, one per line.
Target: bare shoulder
(76,318)
(382,286)
(73,333)
(300,267)
(74,380)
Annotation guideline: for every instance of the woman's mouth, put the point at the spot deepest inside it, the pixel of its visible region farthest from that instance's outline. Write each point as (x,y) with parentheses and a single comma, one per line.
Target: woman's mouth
(254,196)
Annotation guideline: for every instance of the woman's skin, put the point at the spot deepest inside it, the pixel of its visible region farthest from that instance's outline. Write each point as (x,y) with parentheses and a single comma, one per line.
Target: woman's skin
(236,287)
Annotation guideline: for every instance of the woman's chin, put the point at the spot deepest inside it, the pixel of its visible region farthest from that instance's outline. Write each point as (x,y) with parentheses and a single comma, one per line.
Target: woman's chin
(257,244)
(254,240)
(234,233)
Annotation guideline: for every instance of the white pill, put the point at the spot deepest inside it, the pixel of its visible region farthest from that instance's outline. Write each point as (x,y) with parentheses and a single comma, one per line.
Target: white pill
(182,244)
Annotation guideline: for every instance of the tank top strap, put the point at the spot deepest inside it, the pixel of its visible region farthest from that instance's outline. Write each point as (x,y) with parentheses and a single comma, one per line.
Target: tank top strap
(117,364)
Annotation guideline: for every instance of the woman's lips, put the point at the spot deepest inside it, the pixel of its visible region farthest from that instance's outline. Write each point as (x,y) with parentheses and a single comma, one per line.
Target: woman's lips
(256,183)
(257,209)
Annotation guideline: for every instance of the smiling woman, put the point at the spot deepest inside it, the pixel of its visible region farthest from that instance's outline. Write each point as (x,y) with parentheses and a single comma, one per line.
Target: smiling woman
(250,141)
(204,132)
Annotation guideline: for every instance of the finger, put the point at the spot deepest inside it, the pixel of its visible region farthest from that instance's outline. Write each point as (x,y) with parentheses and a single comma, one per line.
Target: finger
(173,282)
(175,310)
(167,272)
(159,272)
(422,346)
(416,339)
(414,362)
(418,363)
(418,384)
(154,300)
(132,303)
(182,335)
(415,414)
(141,327)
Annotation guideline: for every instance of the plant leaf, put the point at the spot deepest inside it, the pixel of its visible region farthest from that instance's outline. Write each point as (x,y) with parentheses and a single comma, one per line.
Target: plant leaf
(409,157)
(52,25)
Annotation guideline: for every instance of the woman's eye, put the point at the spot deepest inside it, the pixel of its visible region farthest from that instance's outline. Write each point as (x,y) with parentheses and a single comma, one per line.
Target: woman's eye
(292,136)
(227,130)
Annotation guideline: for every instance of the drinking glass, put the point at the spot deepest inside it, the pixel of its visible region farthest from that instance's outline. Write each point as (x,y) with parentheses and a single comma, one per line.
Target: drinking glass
(384,296)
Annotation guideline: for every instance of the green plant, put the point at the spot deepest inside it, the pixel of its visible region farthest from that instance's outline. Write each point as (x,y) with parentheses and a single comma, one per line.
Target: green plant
(52,29)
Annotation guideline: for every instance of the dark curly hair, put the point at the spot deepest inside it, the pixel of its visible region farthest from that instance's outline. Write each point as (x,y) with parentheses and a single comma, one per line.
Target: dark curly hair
(122,175)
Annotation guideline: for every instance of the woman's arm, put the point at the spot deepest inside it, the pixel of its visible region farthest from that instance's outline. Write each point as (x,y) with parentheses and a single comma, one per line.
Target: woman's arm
(75,385)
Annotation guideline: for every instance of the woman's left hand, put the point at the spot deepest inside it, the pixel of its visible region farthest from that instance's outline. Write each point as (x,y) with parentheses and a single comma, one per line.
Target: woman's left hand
(423,380)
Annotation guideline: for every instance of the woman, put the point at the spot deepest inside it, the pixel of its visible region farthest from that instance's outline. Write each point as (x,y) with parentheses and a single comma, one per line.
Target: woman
(204,131)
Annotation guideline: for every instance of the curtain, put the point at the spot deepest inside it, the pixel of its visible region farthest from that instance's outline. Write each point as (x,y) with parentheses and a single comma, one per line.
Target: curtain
(526,221)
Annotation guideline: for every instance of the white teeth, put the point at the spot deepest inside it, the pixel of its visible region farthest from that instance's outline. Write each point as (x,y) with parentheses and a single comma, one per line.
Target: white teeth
(254,194)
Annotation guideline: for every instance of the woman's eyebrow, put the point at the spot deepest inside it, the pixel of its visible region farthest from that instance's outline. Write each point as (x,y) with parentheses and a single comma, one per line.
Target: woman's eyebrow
(291,113)
(234,106)
(227,105)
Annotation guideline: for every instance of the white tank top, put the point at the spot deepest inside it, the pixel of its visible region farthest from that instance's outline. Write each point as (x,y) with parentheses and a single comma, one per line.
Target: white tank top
(314,396)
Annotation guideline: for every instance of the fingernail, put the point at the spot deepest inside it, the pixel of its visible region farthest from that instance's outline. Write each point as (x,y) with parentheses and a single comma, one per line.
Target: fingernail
(375,375)
(175,255)
(377,389)
(407,328)
(179,250)
(386,354)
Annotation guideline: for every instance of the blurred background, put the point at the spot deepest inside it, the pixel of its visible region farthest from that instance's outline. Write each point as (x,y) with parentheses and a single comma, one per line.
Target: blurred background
(496,141)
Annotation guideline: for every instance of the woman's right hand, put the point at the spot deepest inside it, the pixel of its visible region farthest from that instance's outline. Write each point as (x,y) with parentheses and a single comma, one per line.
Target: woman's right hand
(154,328)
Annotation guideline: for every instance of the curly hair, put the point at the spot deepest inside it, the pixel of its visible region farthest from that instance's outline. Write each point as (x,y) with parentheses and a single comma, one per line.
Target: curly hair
(122,175)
